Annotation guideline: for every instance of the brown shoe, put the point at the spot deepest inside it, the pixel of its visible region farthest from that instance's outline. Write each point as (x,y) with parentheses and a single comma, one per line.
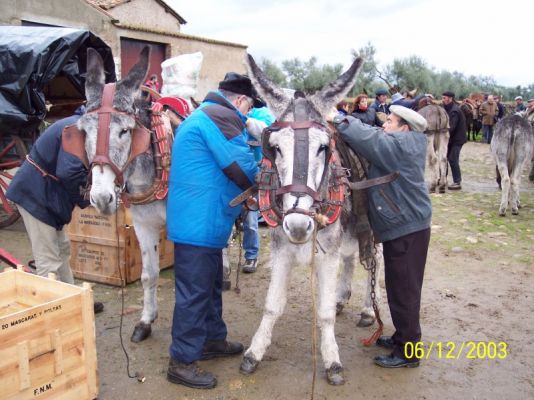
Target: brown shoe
(190,375)
(220,348)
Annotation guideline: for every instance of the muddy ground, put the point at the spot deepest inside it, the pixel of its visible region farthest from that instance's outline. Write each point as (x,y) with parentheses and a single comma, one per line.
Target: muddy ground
(479,286)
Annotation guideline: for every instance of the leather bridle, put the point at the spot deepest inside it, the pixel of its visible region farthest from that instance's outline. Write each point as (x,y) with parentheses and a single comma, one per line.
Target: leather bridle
(326,201)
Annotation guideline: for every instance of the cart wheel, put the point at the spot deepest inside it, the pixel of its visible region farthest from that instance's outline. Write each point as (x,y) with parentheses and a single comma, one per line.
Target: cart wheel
(11,156)
(8,210)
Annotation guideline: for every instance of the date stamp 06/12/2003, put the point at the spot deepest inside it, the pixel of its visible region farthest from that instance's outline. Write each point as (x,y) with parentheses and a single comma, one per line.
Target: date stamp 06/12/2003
(453,351)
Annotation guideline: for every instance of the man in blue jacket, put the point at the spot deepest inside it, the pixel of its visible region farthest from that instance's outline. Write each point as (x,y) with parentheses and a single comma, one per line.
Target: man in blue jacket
(211,164)
(400,214)
(46,188)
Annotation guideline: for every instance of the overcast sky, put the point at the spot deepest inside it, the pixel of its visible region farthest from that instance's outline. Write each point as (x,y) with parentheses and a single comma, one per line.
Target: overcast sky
(475,37)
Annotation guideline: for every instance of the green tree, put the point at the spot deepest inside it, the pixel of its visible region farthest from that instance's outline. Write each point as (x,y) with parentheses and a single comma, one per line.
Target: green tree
(308,76)
(367,80)
(273,72)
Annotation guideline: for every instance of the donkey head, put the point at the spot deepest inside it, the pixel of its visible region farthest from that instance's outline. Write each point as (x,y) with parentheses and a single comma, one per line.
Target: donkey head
(117,120)
(298,146)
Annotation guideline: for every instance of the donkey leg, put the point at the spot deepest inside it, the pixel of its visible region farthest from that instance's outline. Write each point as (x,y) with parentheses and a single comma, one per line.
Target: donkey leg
(515,181)
(432,160)
(326,271)
(148,237)
(443,141)
(274,307)
(505,184)
(368,313)
(344,283)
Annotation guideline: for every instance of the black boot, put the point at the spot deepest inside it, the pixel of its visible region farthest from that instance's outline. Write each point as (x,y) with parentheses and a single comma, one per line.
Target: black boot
(220,348)
(392,361)
(386,342)
(98,307)
(190,375)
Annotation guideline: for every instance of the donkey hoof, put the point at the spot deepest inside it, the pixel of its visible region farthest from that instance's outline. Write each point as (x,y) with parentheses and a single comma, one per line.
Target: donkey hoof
(248,365)
(515,211)
(365,320)
(226,285)
(339,308)
(502,213)
(141,332)
(334,374)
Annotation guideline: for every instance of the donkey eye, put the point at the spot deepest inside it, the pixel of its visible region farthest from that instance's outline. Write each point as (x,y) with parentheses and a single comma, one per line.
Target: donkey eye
(122,132)
(277,148)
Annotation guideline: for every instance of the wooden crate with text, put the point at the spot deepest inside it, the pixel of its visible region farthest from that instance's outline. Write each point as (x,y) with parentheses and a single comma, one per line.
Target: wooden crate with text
(105,249)
(47,339)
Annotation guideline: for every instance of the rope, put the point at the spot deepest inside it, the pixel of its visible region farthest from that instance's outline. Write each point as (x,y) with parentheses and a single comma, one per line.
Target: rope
(314,310)
(239,238)
(138,375)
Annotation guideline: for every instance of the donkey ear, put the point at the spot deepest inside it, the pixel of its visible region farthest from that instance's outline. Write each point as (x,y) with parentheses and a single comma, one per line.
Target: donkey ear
(128,88)
(94,79)
(275,97)
(335,91)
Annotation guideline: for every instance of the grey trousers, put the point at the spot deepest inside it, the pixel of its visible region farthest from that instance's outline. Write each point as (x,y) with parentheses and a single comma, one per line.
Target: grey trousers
(50,248)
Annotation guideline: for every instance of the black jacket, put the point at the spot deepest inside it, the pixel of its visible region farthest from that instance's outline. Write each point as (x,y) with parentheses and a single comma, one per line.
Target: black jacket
(457,124)
(48,200)
(367,117)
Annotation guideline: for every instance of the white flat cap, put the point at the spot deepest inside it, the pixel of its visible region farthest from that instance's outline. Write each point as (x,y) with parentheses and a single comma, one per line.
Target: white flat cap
(416,121)
(519,98)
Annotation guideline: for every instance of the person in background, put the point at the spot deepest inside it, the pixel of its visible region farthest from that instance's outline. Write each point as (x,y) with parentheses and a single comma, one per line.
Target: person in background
(211,164)
(343,107)
(519,106)
(400,213)
(488,111)
(364,113)
(501,110)
(457,138)
(262,117)
(46,188)
(380,104)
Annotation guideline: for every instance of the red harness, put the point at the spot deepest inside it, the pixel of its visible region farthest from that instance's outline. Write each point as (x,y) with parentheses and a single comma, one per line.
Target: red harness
(73,142)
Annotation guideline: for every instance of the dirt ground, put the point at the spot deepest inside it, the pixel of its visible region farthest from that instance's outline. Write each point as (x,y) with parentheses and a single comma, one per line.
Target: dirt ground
(479,286)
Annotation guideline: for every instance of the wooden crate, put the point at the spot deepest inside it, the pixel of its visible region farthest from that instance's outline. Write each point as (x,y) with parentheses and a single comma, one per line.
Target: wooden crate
(105,249)
(47,339)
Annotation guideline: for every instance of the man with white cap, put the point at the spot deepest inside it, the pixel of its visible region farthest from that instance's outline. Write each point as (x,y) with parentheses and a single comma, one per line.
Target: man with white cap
(400,214)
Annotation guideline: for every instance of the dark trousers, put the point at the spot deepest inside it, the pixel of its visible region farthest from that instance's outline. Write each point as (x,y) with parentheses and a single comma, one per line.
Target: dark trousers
(198,275)
(404,260)
(487,133)
(453,156)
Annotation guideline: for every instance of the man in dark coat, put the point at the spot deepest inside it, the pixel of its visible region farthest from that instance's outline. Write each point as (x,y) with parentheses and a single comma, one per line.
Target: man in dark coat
(457,137)
(400,213)
(46,188)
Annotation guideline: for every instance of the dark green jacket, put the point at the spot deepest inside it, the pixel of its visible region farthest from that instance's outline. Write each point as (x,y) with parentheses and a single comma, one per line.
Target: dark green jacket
(403,206)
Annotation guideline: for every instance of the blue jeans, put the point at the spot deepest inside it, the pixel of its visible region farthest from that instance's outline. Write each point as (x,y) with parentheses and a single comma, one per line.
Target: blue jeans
(251,237)
(198,276)
(487,133)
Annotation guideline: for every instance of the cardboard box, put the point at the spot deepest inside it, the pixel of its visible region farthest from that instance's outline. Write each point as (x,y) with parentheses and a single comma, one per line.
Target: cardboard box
(105,249)
(47,339)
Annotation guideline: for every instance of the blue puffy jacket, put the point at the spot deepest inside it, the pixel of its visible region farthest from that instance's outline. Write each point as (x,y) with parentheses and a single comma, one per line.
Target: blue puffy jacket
(211,164)
(46,199)
(264,115)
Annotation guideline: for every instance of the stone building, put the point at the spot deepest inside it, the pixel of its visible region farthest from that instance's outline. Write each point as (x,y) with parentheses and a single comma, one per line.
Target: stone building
(128,25)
